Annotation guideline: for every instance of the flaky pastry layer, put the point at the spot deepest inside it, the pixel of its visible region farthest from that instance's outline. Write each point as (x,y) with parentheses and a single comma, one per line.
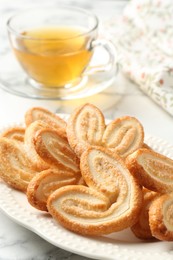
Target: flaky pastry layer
(161,217)
(14,133)
(86,127)
(141,228)
(54,149)
(45,182)
(110,203)
(15,167)
(42,114)
(153,170)
(29,142)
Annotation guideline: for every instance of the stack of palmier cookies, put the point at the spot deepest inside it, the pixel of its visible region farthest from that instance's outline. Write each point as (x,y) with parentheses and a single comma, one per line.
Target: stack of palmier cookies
(93,178)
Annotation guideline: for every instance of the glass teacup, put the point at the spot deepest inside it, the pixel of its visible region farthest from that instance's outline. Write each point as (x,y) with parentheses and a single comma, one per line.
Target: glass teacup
(54,46)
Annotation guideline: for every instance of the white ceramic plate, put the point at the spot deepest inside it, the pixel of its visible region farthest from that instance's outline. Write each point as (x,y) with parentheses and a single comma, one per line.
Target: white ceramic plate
(121,245)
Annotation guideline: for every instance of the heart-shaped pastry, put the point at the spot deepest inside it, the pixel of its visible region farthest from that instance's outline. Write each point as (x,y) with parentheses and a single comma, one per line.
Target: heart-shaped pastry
(153,170)
(15,133)
(29,141)
(54,149)
(42,114)
(111,202)
(15,167)
(161,217)
(86,127)
(141,228)
(45,182)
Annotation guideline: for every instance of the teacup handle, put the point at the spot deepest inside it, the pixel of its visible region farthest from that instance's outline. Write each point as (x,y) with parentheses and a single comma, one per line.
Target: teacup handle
(113,57)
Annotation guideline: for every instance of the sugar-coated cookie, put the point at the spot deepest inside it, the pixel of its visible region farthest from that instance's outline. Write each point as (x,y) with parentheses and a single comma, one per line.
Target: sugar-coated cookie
(15,167)
(141,228)
(161,217)
(15,133)
(42,114)
(153,170)
(111,202)
(45,182)
(29,142)
(86,127)
(54,149)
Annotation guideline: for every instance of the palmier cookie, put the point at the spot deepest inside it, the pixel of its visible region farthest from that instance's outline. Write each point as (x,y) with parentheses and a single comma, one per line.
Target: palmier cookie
(153,170)
(86,127)
(141,228)
(45,182)
(111,202)
(161,217)
(29,141)
(15,133)
(54,149)
(15,167)
(42,114)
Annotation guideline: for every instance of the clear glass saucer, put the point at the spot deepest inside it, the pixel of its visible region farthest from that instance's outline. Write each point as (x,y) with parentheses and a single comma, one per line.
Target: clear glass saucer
(17,83)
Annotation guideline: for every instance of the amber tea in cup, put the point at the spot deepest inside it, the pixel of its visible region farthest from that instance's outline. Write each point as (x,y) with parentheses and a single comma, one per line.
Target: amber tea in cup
(57,62)
(55,45)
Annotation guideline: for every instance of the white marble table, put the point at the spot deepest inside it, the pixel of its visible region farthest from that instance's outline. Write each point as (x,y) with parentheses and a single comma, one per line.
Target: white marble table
(122,98)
